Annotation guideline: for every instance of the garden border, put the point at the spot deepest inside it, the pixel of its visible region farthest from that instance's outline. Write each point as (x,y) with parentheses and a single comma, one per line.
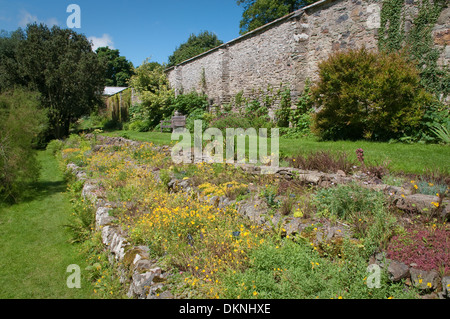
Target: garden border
(146,280)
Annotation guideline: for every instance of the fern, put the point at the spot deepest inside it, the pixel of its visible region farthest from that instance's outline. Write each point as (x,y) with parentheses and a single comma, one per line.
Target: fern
(442,132)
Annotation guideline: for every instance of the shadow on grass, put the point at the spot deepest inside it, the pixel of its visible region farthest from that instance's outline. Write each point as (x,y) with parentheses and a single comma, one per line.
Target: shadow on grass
(42,189)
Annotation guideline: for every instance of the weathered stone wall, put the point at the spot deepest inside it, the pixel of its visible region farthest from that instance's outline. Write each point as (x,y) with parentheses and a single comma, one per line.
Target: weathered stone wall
(288,50)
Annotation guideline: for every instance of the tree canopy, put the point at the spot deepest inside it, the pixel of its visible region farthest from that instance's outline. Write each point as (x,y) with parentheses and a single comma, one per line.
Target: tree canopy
(195,45)
(118,70)
(60,65)
(260,12)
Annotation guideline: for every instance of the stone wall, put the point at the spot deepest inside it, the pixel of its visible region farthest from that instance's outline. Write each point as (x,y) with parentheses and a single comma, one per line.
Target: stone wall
(288,50)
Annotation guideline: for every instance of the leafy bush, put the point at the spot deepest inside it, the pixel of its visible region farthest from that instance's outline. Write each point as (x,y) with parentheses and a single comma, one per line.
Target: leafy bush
(139,126)
(55,146)
(363,94)
(21,121)
(232,120)
(153,86)
(190,102)
(198,114)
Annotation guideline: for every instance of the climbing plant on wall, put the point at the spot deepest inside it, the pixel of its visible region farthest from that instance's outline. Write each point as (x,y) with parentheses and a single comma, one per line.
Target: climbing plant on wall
(391,35)
(417,43)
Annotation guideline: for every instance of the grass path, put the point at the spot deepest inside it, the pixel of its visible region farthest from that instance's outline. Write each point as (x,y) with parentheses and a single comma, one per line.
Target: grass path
(34,247)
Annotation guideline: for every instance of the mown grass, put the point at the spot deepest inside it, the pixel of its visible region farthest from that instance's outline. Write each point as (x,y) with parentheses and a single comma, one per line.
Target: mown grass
(34,247)
(402,158)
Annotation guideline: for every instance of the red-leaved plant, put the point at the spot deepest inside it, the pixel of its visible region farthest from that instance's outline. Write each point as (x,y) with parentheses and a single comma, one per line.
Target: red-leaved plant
(428,248)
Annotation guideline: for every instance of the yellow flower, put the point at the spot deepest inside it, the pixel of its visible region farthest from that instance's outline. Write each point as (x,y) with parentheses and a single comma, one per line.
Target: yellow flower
(255,293)
(429,285)
(435,204)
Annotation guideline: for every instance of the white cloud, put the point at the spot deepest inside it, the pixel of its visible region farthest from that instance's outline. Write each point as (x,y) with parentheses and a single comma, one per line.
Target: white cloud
(25,18)
(105,41)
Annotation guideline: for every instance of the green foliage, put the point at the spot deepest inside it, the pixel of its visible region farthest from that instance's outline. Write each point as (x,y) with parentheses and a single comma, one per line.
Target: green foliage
(344,201)
(390,33)
(232,120)
(420,46)
(118,70)
(418,42)
(190,102)
(9,66)
(55,146)
(442,132)
(260,12)
(198,114)
(83,216)
(139,126)
(363,94)
(21,120)
(301,117)
(60,65)
(151,82)
(195,45)
(283,112)
(295,270)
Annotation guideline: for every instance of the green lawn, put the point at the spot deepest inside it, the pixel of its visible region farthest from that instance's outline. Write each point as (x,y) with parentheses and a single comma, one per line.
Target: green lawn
(34,248)
(407,158)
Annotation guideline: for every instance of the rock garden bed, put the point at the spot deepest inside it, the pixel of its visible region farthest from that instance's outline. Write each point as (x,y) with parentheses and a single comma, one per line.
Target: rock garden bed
(402,231)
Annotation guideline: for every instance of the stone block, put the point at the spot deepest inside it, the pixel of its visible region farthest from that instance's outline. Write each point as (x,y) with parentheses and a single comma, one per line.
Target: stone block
(424,280)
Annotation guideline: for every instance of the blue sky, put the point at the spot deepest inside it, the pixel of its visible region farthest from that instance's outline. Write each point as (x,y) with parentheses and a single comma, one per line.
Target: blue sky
(139,29)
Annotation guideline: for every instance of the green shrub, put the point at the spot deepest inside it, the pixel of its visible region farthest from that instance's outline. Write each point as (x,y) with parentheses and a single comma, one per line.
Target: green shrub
(232,120)
(55,146)
(198,114)
(21,121)
(139,126)
(363,94)
(153,86)
(190,102)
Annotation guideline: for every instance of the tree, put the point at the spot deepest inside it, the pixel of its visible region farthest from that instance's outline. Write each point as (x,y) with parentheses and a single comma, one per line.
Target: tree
(260,12)
(118,69)
(9,67)
(61,66)
(151,82)
(195,45)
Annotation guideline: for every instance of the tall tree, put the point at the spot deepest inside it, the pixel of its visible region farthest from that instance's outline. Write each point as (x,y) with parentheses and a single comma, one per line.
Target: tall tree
(195,45)
(118,69)
(61,66)
(260,12)
(9,67)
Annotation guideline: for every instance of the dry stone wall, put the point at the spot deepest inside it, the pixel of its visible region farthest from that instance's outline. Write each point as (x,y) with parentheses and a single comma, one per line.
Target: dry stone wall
(288,50)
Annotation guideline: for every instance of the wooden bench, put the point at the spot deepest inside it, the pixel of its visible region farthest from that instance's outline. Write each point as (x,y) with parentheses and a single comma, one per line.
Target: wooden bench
(176,122)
